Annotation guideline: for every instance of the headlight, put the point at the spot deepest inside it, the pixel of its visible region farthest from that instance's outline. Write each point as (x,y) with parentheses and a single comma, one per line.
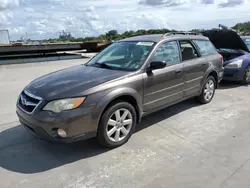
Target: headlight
(235,64)
(64,104)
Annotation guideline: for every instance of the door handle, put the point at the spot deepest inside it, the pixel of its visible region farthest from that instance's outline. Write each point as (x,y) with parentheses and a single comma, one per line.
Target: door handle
(178,71)
(203,65)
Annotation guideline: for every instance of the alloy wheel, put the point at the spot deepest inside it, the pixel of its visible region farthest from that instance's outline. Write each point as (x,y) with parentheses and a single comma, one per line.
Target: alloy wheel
(209,90)
(119,125)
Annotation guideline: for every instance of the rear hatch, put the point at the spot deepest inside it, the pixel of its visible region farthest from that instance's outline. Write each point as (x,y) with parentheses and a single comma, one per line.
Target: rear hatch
(226,39)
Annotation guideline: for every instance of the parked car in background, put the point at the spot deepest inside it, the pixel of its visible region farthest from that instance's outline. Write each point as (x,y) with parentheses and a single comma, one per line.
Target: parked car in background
(235,50)
(109,95)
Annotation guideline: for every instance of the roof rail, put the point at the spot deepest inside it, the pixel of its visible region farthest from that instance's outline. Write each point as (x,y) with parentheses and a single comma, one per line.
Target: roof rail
(181,33)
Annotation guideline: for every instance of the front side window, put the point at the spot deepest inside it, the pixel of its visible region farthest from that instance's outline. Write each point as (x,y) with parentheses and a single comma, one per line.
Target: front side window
(188,51)
(127,56)
(205,47)
(168,52)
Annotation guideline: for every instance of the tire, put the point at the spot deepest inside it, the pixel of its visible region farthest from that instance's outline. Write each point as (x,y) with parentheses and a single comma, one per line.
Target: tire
(111,123)
(246,77)
(205,98)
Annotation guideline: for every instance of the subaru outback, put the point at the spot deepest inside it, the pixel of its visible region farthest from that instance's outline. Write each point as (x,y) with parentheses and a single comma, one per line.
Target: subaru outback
(109,95)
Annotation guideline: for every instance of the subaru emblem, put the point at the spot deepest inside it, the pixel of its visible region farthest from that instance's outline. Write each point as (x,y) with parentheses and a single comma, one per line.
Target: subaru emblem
(24,102)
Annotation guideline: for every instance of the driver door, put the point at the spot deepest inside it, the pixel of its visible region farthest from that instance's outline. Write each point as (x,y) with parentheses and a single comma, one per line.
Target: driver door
(163,87)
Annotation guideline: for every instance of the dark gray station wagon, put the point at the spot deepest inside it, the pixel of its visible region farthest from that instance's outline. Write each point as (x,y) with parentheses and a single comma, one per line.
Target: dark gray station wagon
(109,95)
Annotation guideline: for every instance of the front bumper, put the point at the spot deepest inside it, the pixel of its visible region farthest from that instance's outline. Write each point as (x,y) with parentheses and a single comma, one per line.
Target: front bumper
(43,124)
(233,74)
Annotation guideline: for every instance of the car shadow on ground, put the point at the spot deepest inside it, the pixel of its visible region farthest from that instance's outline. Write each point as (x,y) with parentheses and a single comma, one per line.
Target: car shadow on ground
(23,153)
(230,85)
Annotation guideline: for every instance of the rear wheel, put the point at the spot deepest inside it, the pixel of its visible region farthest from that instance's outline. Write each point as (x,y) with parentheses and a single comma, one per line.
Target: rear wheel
(246,77)
(117,125)
(208,91)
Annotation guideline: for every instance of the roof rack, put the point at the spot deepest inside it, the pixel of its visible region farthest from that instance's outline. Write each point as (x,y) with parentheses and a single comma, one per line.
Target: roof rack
(181,33)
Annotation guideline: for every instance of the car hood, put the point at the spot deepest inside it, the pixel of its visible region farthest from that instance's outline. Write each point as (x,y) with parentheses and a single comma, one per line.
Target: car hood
(226,39)
(71,82)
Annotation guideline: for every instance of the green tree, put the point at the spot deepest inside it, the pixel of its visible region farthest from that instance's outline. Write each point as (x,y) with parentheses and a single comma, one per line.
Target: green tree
(114,35)
(242,27)
(111,35)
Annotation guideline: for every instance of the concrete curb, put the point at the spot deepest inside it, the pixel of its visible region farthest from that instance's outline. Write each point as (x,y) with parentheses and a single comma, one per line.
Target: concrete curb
(37,60)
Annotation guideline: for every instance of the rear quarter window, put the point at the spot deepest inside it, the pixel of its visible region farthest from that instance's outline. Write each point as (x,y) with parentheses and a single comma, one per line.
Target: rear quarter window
(205,47)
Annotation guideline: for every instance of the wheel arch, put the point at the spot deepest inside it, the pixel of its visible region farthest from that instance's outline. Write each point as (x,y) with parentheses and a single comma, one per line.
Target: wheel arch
(210,72)
(122,94)
(215,75)
(245,67)
(246,63)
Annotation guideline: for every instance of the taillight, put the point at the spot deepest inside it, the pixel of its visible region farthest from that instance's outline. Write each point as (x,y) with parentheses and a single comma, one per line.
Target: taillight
(222,59)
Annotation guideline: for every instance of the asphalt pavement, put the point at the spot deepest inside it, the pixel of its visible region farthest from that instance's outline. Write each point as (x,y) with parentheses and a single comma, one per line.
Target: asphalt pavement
(187,145)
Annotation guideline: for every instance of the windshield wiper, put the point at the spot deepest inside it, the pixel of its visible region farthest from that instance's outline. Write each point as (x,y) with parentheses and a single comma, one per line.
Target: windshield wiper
(103,65)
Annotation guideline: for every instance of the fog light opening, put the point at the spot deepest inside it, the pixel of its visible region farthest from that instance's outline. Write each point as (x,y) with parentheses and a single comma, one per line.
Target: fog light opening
(62,133)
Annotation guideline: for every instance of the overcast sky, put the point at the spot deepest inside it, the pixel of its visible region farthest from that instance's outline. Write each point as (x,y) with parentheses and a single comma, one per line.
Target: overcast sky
(46,18)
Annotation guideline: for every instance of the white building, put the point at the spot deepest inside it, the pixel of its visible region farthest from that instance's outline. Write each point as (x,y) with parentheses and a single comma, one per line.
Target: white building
(4,37)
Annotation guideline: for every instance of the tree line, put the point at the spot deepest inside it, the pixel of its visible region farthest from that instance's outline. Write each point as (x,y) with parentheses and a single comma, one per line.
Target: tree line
(243,27)
(114,35)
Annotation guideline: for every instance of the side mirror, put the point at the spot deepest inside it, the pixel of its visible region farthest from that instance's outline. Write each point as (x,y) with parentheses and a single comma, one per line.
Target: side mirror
(157,65)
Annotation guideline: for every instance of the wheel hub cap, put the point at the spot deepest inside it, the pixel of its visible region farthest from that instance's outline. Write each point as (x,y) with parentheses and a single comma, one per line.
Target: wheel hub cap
(119,124)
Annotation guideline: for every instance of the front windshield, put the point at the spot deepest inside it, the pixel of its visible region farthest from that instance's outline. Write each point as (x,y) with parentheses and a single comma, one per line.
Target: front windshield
(247,41)
(127,56)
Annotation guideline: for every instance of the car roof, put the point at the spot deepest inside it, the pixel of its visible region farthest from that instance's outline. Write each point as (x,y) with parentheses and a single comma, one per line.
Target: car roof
(159,37)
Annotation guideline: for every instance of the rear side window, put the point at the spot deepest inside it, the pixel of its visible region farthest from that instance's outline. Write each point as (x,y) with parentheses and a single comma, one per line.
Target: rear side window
(205,47)
(188,51)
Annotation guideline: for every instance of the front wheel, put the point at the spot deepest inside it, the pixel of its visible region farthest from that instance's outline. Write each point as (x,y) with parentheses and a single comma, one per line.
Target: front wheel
(117,125)
(208,91)
(246,77)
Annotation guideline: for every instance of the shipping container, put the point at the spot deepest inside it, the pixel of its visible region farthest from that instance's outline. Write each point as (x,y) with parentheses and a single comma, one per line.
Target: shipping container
(4,37)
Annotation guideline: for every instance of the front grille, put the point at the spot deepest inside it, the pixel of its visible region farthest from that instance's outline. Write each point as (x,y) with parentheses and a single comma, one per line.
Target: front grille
(28,102)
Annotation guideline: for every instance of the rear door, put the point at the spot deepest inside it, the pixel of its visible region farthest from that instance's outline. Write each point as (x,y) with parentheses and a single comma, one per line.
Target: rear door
(164,86)
(208,51)
(194,67)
